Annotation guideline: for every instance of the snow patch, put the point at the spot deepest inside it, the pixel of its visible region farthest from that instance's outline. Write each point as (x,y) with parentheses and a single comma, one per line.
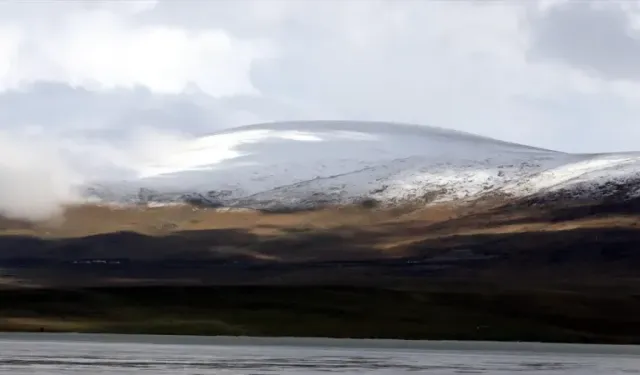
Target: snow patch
(318,162)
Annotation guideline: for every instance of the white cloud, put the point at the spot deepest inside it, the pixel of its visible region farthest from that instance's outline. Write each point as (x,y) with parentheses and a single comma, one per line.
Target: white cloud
(90,74)
(103,49)
(35,181)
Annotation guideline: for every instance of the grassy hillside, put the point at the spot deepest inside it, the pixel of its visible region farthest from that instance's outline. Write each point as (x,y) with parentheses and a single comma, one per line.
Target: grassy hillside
(486,271)
(471,314)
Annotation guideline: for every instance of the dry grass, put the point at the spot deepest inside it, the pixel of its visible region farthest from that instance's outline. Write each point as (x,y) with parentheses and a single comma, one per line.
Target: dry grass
(392,228)
(181,245)
(80,221)
(87,220)
(22,324)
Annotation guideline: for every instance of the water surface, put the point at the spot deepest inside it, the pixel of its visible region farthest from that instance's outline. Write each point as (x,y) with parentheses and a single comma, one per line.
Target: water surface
(57,354)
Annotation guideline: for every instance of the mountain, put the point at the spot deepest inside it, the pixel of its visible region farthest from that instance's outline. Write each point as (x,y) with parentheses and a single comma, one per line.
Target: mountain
(310,163)
(514,239)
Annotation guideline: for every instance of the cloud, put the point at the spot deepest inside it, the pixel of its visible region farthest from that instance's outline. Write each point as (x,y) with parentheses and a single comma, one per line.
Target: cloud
(463,65)
(101,48)
(598,37)
(35,182)
(108,84)
(42,172)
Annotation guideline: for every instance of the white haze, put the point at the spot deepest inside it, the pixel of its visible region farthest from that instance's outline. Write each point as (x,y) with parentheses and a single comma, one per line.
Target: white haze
(35,182)
(40,175)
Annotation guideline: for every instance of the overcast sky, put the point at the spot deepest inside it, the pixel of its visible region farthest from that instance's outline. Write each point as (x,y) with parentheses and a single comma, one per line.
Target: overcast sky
(561,75)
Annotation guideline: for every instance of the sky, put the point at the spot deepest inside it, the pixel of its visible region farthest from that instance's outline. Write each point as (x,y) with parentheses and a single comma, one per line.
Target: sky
(95,85)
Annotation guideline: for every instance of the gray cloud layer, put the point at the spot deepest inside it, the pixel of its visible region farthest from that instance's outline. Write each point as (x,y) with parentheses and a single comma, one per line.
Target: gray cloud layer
(596,36)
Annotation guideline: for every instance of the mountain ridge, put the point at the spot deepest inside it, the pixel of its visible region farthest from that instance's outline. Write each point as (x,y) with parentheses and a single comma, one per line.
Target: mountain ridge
(311,163)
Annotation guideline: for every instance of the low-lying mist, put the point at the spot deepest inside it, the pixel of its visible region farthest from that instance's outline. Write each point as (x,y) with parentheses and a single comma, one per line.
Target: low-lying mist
(41,174)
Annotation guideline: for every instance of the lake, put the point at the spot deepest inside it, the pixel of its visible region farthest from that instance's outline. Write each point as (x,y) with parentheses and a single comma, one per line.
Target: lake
(57,354)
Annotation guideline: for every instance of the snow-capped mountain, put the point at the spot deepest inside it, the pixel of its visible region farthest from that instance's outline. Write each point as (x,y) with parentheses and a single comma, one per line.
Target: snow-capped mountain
(299,164)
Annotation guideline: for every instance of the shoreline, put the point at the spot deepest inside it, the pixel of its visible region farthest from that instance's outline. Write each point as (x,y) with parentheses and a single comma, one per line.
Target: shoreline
(327,342)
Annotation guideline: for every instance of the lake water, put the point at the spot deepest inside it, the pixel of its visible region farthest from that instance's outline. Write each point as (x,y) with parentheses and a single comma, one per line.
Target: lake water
(56,354)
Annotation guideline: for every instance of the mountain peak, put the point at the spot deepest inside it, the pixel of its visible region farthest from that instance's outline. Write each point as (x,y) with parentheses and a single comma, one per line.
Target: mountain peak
(310,162)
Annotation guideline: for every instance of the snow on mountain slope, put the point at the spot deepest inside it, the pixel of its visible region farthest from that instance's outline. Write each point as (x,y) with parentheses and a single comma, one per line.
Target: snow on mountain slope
(306,163)
(586,176)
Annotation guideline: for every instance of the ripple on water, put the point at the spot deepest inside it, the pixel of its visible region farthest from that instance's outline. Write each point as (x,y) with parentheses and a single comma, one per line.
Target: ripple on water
(18,357)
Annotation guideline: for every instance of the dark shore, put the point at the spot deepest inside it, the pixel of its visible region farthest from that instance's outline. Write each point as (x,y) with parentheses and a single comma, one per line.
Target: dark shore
(451,313)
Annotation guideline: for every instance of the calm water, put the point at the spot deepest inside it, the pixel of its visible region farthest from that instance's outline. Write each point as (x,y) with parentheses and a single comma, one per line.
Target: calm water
(52,354)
